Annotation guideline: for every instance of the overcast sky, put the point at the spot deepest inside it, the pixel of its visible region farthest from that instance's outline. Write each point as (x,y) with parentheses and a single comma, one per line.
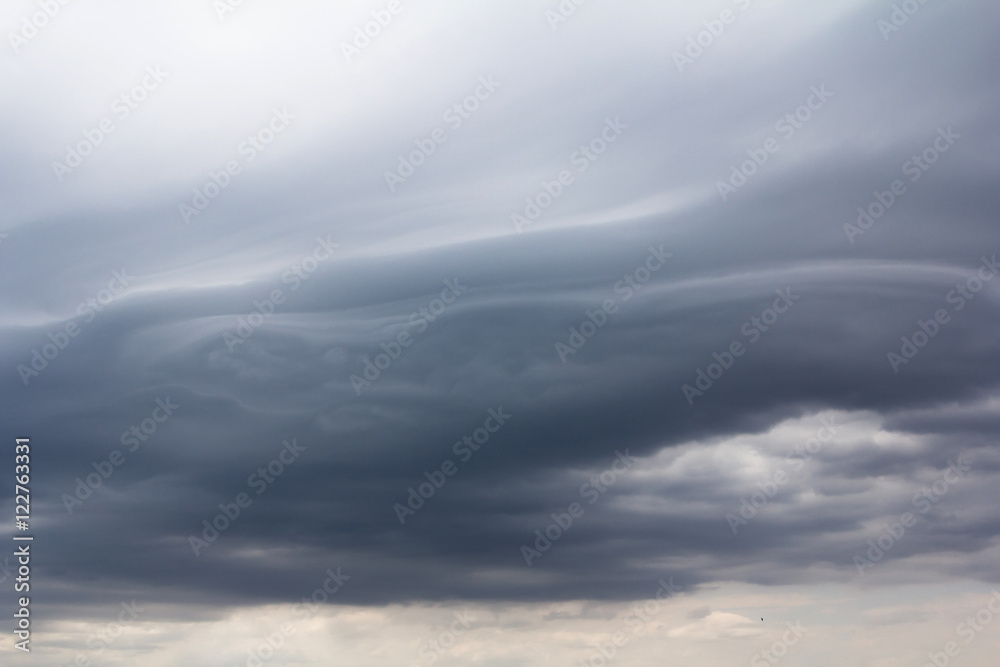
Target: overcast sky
(702,292)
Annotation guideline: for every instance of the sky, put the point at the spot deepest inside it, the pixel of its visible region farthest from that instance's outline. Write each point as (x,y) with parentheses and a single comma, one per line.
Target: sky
(507,333)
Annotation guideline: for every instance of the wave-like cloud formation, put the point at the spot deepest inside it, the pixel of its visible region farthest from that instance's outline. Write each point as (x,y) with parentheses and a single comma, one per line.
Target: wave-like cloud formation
(510,305)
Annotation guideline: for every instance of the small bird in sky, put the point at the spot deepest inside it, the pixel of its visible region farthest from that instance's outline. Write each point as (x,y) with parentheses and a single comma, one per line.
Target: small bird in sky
(762,620)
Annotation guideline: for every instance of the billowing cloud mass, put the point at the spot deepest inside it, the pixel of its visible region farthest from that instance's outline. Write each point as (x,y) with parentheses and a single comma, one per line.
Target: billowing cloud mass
(497,334)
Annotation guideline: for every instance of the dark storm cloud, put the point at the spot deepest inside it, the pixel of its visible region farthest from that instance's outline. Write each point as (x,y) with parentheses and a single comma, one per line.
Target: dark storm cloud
(495,346)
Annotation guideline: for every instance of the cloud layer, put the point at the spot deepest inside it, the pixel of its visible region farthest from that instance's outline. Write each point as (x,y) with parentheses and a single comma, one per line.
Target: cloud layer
(417,297)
